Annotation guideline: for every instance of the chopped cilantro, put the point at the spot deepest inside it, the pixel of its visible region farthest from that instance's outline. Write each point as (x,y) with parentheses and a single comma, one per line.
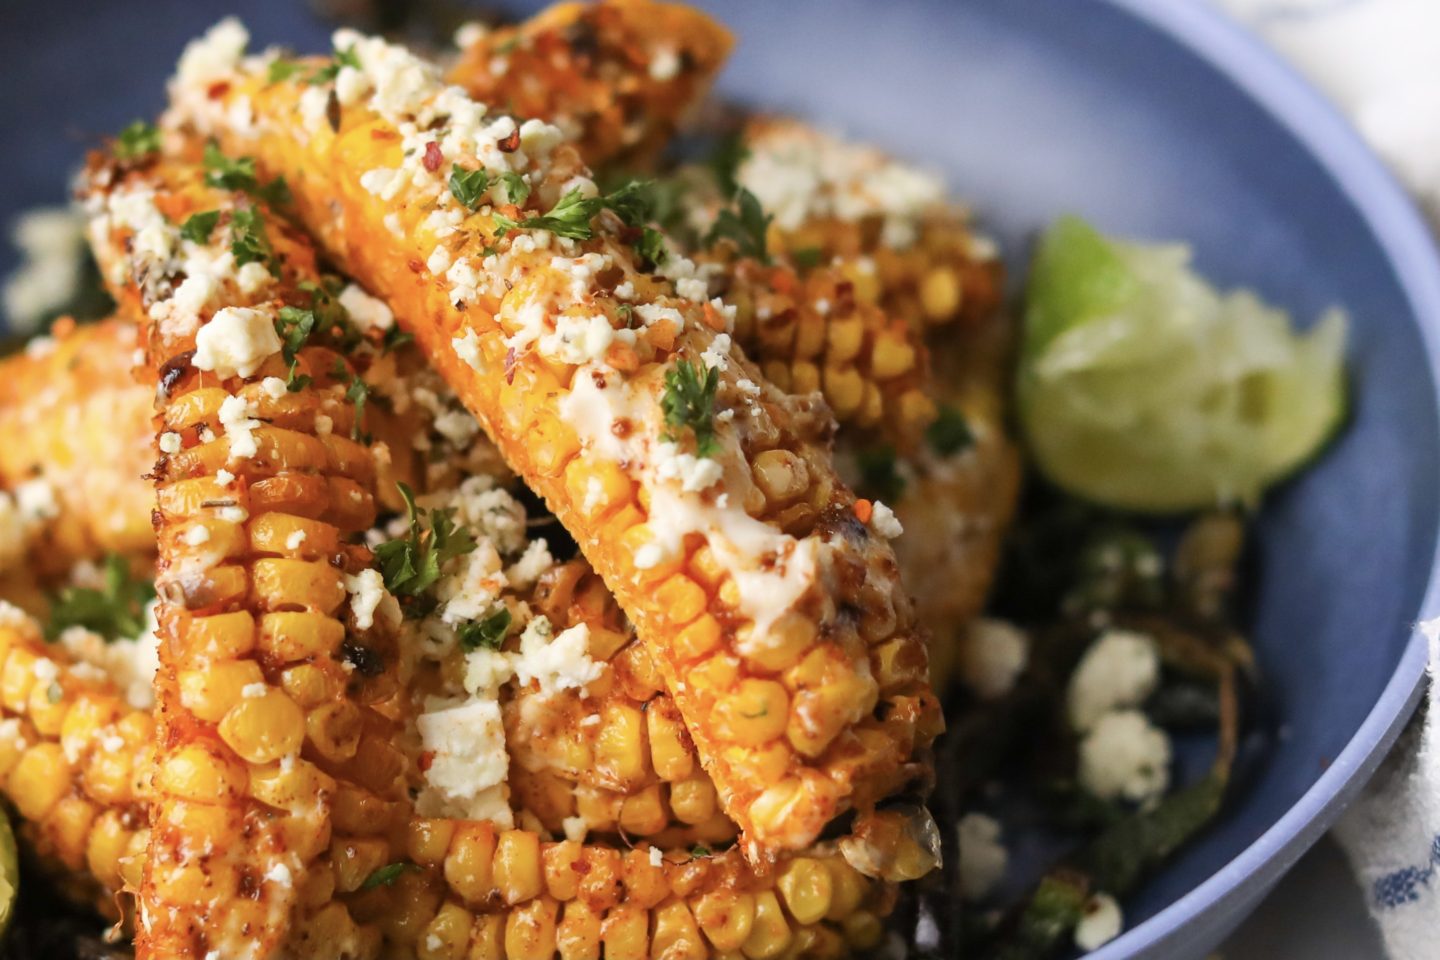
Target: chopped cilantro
(517,191)
(879,476)
(139,139)
(357,393)
(689,402)
(651,246)
(807,258)
(950,433)
(488,633)
(411,564)
(571,215)
(395,338)
(468,186)
(197,226)
(281,70)
(115,610)
(238,173)
(699,850)
(248,242)
(342,58)
(724,163)
(745,225)
(387,875)
(293,326)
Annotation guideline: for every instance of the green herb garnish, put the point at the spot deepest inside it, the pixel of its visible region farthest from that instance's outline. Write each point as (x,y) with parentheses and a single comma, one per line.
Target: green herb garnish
(746,225)
(807,258)
(197,226)
(950,433)
(238,173)
(468,186)
(879,474)
(357,393)
(689,403)
(488,633)
(248,242)
(571,215)
(517,191)
(699,850)
(115,610)
(342,58)
(386,876)
(293,326)
(651,246)
(411,564)
(724,163)
(281,70)
(139,139)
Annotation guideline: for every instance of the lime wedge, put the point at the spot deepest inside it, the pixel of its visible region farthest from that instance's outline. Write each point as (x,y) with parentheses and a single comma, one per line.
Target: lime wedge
(1143,387)
(9,873)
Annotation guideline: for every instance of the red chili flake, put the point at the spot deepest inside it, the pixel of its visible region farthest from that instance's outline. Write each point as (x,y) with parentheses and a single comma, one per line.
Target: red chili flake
(426,759)
(432,156)
(415,265)
(511,143)
(621,428)
(217,89)
(510,365)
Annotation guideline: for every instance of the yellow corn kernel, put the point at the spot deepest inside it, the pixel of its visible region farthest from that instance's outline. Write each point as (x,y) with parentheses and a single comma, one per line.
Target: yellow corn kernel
(578,935)
(845,389)
(334,729)
(940,294)
(597,487)
(447,936)
(469,866)
(726,917)
(530,930)
(38,781)
(626,933)
(769,932)
(643,813)
(17,679)
(289,786)
(356,860)
(196,772)
(805,885)
(560,860)
(68,828)
(756,713)
(105,847)
(676,935)
(788,639)
(693,801)
(620,751)
(645,883)
(892,356)
(681,599)
(847,889)
(281,583)
(309,685)
(211,691)
(299,635)
(697,639)
(264,728)
(863,930)
(488,939)
(781,475)
(671,751)
(414,902)
(224,636)
(518,875)
(427,841)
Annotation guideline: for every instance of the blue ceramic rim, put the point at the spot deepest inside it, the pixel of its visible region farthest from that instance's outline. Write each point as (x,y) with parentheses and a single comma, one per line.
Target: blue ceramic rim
(1406,239)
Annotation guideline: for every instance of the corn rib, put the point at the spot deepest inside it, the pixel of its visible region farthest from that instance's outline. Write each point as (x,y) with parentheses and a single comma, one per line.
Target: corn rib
(771,608)
(616,76)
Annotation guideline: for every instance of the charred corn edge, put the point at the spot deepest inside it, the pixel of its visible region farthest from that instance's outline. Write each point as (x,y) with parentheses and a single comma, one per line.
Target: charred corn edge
(620,75)
(74,420)
(324,168)
(231,732)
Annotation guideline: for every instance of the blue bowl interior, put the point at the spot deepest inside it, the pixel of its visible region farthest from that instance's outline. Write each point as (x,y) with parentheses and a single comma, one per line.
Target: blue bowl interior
(1032,108)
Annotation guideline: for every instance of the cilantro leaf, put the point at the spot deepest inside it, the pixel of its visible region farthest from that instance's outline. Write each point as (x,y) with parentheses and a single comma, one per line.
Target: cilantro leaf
(950,433)
(488,633)
(651,246)
(387,875)
(746,226)
(699,850)
(115,610)
(517,191)
(139,139)
(281,70)
(342,58)
(572,213)
(689,403)
(395,338)
(880,476)
(468,186)
(293,326)
(238,173)
(357,393)
(197,226)
(411,564)
(807,258)
(248,242)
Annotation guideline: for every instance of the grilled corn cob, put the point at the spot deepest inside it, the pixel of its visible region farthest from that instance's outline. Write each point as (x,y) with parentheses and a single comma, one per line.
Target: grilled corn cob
(74,761)
(264,650)
(616,76)
(770,606)
(75,443)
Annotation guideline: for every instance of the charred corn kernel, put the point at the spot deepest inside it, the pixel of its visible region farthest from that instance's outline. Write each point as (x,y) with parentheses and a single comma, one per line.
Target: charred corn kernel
(210,692)
(415,901)
(334,728)
(310,685)
(530,402)
(518,874)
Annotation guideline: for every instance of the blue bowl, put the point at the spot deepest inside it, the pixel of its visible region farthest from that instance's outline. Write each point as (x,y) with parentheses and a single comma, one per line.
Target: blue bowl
(1154,118)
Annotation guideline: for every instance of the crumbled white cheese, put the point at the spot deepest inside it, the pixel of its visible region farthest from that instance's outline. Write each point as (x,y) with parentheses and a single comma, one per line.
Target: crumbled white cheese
(884,522)
(36,501)
(235,342)
(470,33)
(235,417)
(1125,756)
(253,691)
(169,442)
(213,56)
(469,764)
(293,541)
(324,424)
(717,354)
(367,591)
(694,473)
(983,858)
(575,829)
(656,857)
(1121,669)
(197,535)
(664,64)
(369,313)
(273,387)
(1101,922)
(992,657)
(224,477)
(279,874)
(531,566)
(558,662)
(253,277)
(129,663)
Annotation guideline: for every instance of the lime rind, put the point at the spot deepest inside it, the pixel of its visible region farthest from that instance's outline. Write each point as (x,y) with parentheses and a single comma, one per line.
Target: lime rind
(1144,388)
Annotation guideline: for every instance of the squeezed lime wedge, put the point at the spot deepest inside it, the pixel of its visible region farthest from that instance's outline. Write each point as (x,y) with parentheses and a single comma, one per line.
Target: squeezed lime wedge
(1143,387)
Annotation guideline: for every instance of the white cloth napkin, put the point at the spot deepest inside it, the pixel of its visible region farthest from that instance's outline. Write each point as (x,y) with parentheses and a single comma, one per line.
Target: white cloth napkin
(1379,60)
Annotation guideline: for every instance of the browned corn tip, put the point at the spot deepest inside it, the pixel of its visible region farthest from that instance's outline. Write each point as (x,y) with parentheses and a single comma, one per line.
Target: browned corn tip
(74,760)
(620,74)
